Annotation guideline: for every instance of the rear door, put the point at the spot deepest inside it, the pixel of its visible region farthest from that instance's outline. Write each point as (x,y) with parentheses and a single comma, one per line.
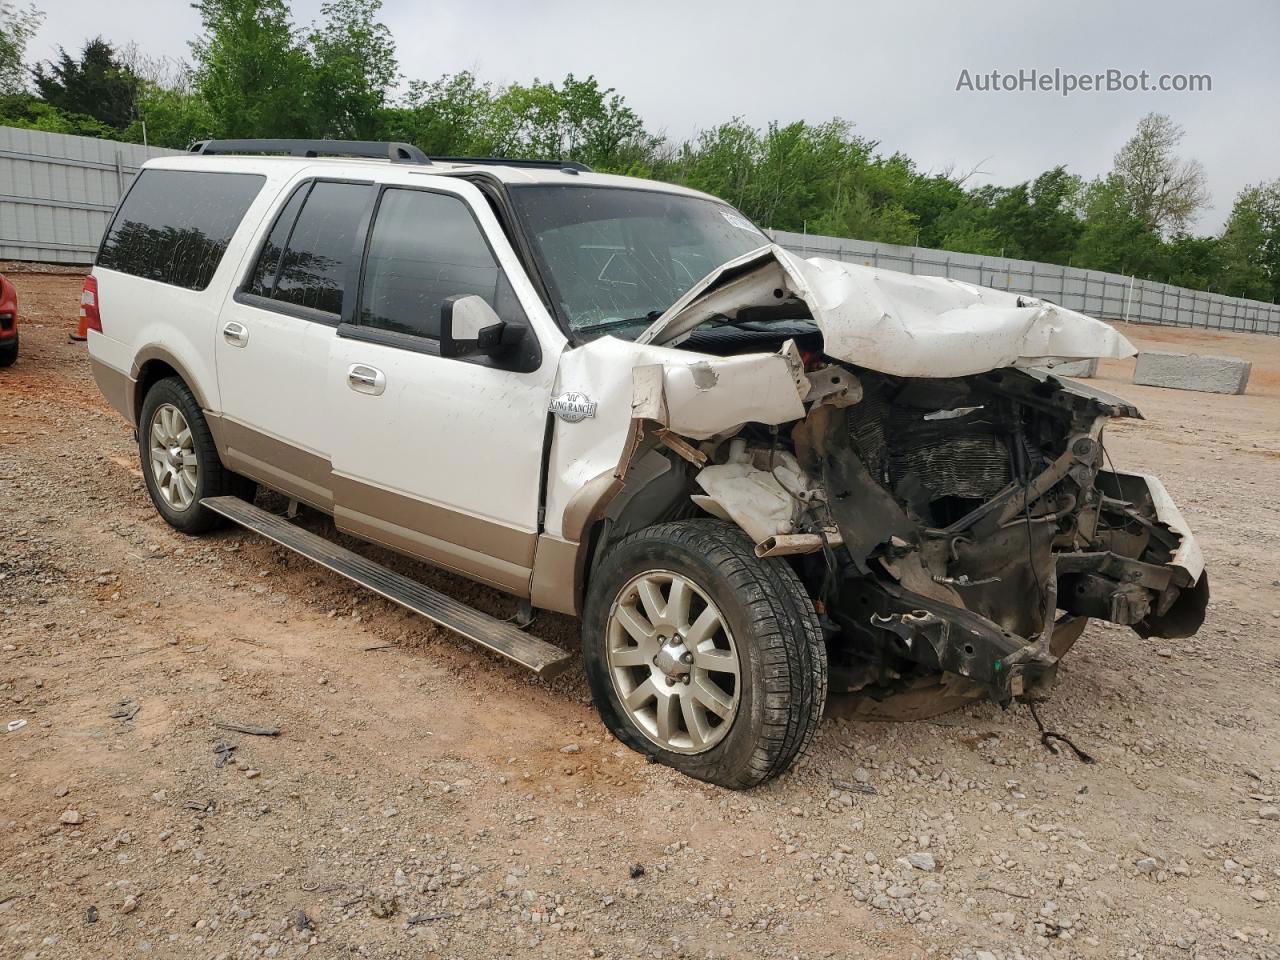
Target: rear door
(440,457)
(274,336)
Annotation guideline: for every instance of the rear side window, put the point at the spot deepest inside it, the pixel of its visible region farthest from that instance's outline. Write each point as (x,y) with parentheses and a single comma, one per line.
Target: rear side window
(427,247)
(310,249)
(174,225)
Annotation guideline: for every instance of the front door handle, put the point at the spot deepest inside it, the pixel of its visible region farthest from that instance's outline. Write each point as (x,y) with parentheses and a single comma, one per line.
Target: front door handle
(236,334)
(363,378)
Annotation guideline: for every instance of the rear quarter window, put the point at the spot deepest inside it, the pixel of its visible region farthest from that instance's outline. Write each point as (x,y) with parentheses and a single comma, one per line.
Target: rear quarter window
(174,225)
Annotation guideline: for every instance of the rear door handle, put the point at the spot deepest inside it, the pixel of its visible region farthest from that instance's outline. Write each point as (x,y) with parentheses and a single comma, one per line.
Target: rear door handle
(363,378)
(236,334)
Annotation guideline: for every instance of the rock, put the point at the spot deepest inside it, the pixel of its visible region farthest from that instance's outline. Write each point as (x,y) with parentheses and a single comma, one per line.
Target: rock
(71,816)
(252,774)
(1147,864)
(570,748)
(636,870)
(383,905)
(1269,813)
(922,861)
(129,905)
(1259,894)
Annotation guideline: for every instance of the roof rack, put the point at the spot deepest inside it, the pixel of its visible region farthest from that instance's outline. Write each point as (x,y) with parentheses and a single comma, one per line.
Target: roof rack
(377,149)
(518,162)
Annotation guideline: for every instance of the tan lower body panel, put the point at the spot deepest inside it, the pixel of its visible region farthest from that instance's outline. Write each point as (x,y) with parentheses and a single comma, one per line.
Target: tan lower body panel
(556,575)
(494,553)
(116,386)
(516,561)
(281,466)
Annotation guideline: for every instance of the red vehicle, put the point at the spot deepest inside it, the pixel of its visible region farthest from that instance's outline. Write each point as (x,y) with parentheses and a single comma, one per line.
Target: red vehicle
(8,323)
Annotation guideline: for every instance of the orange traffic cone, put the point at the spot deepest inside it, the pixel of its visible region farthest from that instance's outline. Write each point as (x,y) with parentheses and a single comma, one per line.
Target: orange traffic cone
(88,310)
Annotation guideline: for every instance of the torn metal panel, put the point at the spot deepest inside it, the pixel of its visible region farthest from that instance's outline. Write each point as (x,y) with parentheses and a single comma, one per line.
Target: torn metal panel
(717,395)
(692,395)
(760,498)
(1188,556)
(895,323)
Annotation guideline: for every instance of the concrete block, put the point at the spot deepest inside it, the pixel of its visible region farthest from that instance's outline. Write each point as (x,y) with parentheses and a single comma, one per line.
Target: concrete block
(1075,368)
(1181,371)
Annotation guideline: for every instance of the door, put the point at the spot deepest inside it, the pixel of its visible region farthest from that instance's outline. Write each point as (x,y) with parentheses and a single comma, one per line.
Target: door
(274,336)
(436,456)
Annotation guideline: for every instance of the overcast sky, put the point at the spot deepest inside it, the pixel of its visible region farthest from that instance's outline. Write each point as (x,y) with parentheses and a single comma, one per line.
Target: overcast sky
(890,68)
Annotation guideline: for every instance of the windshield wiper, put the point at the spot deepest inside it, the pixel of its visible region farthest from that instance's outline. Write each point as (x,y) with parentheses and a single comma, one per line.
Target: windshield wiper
(649,317)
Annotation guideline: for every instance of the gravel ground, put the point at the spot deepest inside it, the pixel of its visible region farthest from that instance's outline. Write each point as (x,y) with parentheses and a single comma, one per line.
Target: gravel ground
(423,799)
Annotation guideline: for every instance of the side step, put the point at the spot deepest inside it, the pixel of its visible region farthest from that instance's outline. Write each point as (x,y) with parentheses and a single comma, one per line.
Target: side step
(544,659)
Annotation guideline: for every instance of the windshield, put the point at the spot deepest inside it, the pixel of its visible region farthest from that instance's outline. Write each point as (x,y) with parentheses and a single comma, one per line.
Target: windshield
(617,258)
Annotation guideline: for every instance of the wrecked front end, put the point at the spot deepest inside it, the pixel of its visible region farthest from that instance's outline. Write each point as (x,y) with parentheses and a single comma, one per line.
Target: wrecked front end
(981,530)
(966,524)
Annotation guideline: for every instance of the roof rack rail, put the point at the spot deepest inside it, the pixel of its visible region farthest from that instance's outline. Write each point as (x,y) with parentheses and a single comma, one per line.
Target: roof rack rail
(518,162)
(376,149)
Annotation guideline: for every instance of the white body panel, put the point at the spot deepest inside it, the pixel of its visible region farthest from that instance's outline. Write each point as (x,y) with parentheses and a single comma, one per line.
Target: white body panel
(896,323)
(457,434)
(270,383)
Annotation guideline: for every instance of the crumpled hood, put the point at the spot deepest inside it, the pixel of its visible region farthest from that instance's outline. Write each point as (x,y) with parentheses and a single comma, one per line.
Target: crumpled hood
(895,323)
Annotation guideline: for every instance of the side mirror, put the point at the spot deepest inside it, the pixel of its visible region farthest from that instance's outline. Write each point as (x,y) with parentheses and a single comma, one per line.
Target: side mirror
(468,325)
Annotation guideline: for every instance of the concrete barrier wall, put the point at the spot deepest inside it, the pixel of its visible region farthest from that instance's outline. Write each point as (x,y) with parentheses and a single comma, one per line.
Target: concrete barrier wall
(1180,371)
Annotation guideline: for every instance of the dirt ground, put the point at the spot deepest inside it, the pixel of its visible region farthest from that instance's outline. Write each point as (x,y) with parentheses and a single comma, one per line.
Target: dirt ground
(423,799)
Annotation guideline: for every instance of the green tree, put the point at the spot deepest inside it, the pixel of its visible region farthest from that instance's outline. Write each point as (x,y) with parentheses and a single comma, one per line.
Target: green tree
(1250,244)
(96,84)
(252,70)
(34,114)
(353,68)
(1114,239)
(17,26)
(1164,191)
(577,120)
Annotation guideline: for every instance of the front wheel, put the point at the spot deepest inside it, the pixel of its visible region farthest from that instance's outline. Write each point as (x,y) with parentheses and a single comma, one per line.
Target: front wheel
(179,460)
(9,352)
(703,656)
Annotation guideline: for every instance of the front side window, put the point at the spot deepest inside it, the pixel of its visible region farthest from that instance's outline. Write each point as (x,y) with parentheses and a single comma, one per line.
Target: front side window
(616,258)
(174,225)
(311,247)
(425,248)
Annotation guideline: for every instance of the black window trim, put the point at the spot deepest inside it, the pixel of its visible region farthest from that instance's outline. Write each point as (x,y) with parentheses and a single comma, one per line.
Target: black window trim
(351,329)
(297,311)
(102,241)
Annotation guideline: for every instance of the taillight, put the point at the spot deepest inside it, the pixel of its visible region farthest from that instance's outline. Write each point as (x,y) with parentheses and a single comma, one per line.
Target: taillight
(90,318)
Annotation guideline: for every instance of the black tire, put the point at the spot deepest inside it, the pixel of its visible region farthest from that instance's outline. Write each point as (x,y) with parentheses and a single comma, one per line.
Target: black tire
(9,352)
(212,478)
(781,653)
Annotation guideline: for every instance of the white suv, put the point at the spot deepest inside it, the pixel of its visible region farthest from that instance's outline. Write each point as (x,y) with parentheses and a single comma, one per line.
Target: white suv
(755,477)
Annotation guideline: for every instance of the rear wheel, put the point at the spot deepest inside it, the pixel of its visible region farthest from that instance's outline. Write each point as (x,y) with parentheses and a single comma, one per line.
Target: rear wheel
(9,352)
(179,460)
(703,656)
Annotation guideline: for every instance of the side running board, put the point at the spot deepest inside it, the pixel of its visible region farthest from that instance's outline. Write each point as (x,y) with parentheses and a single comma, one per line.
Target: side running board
(505,639)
